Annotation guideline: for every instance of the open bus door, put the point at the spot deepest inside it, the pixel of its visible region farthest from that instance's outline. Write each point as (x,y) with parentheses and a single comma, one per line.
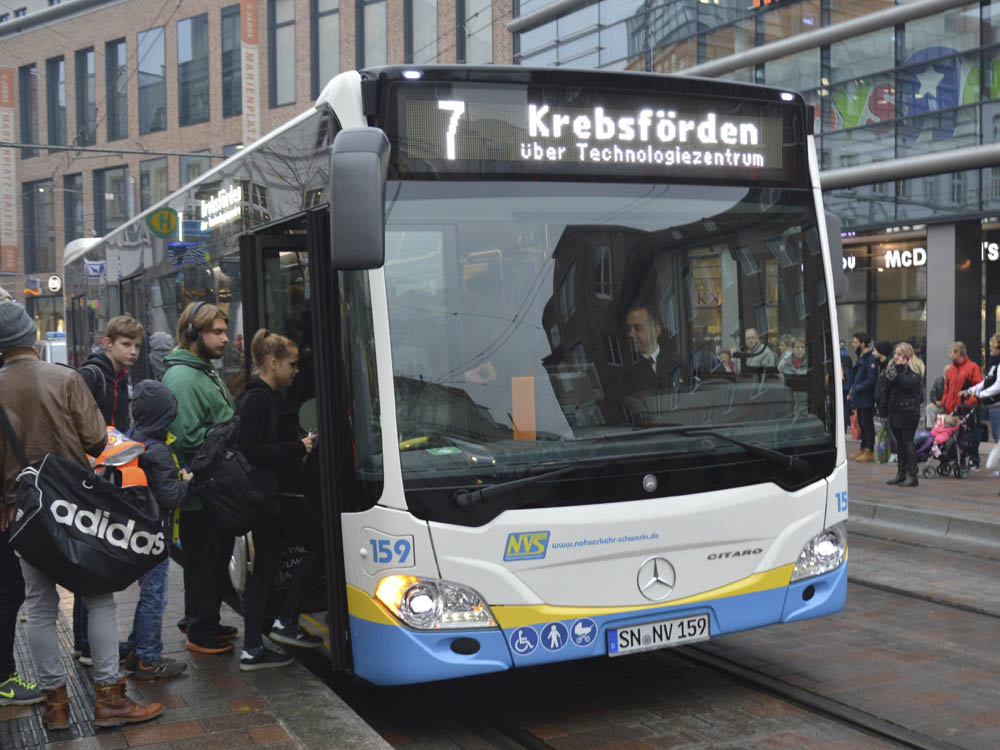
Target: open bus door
(289,287)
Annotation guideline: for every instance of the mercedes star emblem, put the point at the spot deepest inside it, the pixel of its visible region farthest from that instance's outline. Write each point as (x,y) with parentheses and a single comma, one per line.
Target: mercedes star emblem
(656,579)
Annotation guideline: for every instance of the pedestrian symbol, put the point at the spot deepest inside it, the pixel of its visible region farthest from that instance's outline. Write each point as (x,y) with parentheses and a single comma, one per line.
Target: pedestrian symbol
(524,641)
(584,632)
(554,636)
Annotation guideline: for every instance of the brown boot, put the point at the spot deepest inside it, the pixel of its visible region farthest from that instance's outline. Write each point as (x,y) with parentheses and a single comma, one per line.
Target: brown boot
(857,454)
(867,456)
(55,715)
(113,707)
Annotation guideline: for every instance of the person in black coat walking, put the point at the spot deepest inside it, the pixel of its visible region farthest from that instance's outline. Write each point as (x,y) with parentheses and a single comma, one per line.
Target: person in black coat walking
(902,387)
(273,442)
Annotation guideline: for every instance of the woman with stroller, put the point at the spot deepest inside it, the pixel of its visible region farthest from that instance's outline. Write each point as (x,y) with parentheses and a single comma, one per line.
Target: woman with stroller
(901,395)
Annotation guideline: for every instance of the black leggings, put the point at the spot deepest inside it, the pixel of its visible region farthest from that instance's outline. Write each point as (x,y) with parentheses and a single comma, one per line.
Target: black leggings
(903,427)
(303,523)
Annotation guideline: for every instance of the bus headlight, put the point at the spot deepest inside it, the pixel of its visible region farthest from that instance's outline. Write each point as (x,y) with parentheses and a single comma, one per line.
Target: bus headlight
(432,604)
(821,554)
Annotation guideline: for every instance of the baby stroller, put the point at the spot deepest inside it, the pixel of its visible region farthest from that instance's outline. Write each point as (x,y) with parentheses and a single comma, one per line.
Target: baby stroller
(953,455)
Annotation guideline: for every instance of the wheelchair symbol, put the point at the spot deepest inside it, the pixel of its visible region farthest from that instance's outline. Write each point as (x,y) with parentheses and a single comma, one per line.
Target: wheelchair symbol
(524,641)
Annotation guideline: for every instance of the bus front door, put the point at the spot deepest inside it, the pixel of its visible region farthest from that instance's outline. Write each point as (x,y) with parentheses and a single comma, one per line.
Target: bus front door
(280,271)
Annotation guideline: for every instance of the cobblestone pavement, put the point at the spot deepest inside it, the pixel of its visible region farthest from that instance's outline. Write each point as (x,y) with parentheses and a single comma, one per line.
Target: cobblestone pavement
(212,705)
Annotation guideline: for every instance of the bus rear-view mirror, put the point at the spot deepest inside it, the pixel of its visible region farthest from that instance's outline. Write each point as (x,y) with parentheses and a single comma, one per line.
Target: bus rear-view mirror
(359,163)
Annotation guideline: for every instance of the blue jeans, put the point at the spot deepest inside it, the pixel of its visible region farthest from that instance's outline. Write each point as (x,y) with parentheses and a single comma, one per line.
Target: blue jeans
(147,624)
(995,423)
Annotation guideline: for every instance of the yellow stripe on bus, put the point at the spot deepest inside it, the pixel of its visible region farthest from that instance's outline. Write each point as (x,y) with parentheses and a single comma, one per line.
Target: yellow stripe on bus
(360,604)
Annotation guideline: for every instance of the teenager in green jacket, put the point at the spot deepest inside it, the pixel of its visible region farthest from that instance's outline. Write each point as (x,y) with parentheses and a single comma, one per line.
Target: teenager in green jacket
(202,401)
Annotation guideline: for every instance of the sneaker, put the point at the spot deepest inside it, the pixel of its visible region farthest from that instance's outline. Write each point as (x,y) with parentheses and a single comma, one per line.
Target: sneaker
(263,658)
(292,634)
(15,691)
(85,658)
(212,646)
(974,467)
(164,669)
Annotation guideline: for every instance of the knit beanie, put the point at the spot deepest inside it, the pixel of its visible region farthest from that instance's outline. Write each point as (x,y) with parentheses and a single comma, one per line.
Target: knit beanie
(16,327)
(884,348)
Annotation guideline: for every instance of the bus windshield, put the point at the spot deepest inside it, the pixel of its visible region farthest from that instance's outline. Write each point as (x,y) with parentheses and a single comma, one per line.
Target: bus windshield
(534,323)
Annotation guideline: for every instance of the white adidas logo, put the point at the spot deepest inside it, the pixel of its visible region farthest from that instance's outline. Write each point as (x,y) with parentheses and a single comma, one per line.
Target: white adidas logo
(96,524)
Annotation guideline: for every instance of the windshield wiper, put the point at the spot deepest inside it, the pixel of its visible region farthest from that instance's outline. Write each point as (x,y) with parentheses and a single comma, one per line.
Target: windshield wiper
(785,460)
(465,498)
(790,462)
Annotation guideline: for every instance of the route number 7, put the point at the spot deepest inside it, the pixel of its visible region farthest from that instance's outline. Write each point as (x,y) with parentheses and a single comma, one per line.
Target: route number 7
(457,109)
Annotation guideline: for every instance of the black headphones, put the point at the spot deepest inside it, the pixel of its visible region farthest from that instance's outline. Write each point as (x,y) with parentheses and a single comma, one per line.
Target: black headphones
(191,333)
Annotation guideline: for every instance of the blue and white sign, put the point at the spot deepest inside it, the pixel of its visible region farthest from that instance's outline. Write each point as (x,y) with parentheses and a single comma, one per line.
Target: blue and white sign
(583,632)
(554,636)
(93,269)
(523,641)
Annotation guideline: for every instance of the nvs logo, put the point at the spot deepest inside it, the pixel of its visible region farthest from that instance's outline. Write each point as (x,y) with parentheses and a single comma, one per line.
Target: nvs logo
(526,545)
(95,523)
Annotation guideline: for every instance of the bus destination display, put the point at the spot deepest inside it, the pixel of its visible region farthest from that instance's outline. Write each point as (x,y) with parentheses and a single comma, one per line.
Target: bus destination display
(465,129)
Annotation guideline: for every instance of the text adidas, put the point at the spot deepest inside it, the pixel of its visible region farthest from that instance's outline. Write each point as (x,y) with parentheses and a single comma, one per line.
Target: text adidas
(96,523)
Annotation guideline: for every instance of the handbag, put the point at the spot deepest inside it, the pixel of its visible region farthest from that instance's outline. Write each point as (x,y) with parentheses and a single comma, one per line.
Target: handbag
(993,460)
(882,447)
(82,531)
(855,427)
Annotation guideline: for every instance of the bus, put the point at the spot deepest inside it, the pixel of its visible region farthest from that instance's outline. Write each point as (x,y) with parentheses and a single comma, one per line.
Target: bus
(568,339)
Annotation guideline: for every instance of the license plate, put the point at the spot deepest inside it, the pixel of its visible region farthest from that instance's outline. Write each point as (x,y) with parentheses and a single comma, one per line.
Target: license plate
(652,635)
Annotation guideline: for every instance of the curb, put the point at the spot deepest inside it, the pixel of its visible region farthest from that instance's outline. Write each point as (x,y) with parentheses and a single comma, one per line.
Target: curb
(312,713)
(899,519)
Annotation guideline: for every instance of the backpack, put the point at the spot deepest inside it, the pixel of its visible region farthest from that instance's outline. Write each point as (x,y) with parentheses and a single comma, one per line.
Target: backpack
(236,494)
(99,374)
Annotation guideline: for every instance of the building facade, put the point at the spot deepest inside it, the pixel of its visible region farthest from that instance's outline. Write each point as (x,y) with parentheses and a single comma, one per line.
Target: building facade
(888,83)
(109,107)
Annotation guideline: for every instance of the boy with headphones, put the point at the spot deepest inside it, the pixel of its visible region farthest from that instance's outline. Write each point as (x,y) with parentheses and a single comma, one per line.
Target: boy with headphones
(202,401)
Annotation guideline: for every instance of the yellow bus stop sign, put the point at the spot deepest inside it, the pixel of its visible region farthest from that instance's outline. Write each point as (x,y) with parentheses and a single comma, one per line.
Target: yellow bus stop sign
(163,222)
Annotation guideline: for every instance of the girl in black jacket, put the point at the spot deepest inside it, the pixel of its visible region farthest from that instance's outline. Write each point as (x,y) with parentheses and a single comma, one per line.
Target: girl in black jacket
(902,389)
(272,442)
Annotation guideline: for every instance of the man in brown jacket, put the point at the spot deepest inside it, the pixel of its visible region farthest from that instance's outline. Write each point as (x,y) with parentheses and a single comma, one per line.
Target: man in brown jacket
(50,410)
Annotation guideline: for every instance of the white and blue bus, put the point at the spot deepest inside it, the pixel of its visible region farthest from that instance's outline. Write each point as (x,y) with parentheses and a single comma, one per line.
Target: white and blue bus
(569,342)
